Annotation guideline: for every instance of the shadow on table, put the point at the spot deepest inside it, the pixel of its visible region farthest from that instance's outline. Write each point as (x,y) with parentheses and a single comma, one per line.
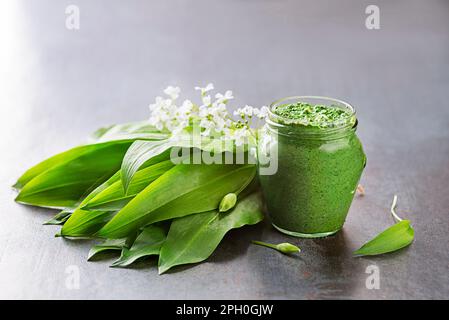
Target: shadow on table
(325,269)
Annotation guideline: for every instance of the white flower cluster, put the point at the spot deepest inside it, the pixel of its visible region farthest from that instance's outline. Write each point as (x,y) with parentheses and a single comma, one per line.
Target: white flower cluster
(212,117)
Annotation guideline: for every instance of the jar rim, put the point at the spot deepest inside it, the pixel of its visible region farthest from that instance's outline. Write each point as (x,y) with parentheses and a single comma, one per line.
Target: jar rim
(296,128)
(336,102)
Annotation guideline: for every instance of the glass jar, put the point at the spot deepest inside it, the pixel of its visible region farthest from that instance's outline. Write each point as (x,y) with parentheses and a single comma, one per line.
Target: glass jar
(318,170)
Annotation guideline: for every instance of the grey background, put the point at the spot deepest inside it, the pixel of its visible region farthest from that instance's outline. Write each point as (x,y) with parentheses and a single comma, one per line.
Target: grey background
(58,85)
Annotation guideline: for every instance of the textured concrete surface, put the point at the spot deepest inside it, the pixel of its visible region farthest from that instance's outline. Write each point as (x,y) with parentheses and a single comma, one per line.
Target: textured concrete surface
(58,85)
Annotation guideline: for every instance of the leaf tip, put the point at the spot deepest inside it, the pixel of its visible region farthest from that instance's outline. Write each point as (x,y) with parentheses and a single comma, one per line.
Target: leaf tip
(17,186)
(19,197)
(116,264)
(90,255)
(162,270)
(357,253)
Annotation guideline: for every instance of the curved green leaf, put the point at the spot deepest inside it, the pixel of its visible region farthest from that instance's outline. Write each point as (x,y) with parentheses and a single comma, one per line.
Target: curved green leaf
(84,224)
(149,242)
(114,198)
(101,138)
(81,223)
(193,238)
(128,131)
(139,153)
(60,158)
(66,183)
(107,245)
(394,238)
(59,218)
(65,214)
(182,190)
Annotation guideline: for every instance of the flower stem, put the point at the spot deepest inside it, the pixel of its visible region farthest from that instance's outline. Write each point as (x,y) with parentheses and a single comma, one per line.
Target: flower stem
(285,247)
(264,244)
(393,206)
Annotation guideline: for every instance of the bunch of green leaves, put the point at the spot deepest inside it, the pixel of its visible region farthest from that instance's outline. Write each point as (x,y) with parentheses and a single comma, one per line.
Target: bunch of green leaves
(124,189)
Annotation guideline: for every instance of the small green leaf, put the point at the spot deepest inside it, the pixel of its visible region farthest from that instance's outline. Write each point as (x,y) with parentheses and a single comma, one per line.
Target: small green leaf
(285,247)
(394,238)
(228,202)
(149,242)
(107,245)
(182,190)
(59,218)
(193,238)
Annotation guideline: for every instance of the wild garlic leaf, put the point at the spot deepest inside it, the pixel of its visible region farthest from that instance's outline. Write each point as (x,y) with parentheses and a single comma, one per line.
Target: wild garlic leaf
(59,218)
(394,238)
(182,190)
(65,214)
(101,138)
(194,238)
(84,224)
(66,183)
(149,242)
(128,131)
(57,159)
(107,245)
(114,198)
(142,151)
(139,153)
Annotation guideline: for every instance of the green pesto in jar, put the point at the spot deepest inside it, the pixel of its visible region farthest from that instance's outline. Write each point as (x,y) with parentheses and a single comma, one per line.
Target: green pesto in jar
(320,161)
(320,116)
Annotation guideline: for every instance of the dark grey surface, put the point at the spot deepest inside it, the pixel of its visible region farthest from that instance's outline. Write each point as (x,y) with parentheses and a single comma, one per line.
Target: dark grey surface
(59,85)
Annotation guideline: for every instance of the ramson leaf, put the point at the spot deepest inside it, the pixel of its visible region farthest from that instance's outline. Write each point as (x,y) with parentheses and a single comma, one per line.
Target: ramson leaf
(149,242)
(59,218)
(139,153)
(107,245)
(182,190)
(114,198)
(65,184)
(142,151)
(84,222)
(193,238)
(128,131)
(394,238)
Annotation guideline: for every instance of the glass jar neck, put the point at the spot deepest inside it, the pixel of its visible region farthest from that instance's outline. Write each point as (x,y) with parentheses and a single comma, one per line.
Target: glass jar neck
(299,129)
(308,132)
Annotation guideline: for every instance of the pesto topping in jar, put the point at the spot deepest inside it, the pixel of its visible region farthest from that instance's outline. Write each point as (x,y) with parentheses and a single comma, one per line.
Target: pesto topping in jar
(314,115)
